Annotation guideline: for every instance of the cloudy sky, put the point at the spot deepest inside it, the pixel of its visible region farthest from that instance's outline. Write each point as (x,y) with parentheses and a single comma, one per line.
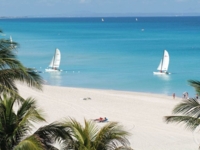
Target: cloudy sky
(97,7)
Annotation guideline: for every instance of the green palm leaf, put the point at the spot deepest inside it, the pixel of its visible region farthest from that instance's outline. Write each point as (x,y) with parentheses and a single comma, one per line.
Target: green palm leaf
(111,136)
(195,84)
(190,107)
(51,133)
(92,137)
(14,125)
(189,111)
(189,122)
(12,70)
(30,143)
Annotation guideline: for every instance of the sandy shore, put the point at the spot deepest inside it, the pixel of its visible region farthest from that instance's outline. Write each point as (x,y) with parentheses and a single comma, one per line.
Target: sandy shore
(140,113)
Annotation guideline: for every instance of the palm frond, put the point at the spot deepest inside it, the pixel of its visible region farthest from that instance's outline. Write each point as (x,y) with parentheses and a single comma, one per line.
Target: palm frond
(195,84)
(91,129)
(51,133)
(190,107)
(27,114)
(7,81)
(111,136)
(76,130)
(10,92)
(123,148)
(27,75)
(91,137)
(14,126)
(7,122)
(33,79)
(189,122)
(8,58)
(30,143)
(11,69)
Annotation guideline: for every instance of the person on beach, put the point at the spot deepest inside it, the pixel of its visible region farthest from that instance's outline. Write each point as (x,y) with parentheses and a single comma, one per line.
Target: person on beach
(173,95)
(197,96)
(104,120)
(186,95)
(99,119)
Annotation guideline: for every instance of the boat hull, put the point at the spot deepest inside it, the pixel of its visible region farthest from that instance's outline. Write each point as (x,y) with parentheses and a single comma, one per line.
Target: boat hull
(161,73)
(52,70)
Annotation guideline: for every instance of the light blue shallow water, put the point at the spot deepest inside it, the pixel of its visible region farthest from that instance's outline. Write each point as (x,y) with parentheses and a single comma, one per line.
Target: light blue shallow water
(114,54)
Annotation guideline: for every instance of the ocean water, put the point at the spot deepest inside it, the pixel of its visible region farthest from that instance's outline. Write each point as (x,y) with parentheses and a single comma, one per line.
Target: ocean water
(117,54)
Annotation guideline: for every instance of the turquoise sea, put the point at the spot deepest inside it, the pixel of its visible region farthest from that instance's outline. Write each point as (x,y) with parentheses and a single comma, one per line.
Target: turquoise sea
(117,54)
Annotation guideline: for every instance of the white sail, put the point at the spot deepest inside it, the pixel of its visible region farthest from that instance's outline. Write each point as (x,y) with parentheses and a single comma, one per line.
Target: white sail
(57,58)
(11,41)
(51,63)
(160,65)
(164,64)
(55,62)
(165,61)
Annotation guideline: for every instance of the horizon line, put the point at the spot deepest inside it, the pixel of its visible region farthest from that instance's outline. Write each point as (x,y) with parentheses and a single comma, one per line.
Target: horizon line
(44,16)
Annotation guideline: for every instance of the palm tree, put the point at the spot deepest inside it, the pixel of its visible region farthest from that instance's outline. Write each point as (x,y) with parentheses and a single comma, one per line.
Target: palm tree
(90,137)
(16,124)
(12,70)
(190,113)
(188,110)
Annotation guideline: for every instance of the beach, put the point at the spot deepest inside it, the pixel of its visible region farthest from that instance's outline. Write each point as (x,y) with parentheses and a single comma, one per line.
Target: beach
(142,114)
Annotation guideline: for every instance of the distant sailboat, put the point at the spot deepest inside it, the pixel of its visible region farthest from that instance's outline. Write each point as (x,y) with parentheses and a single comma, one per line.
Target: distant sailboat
(102,20)
(55,62)
(11,41)
(136,19)
(164,64)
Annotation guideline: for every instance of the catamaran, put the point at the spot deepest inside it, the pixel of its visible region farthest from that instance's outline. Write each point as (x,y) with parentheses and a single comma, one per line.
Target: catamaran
(55,62)
(164,64)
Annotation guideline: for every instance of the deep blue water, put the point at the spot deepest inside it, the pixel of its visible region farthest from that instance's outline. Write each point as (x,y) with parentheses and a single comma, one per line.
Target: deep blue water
(119,53)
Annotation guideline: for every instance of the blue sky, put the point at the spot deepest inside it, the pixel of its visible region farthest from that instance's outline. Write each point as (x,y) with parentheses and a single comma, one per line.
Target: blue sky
(97,7)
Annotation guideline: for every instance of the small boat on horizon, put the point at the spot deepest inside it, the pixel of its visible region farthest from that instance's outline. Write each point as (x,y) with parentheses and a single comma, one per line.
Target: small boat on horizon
(164,64)
(55,62)
(102,19)
(11,41)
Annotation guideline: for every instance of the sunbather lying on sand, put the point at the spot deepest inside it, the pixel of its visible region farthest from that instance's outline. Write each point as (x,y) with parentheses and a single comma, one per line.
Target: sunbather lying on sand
(104,120)
(99,119)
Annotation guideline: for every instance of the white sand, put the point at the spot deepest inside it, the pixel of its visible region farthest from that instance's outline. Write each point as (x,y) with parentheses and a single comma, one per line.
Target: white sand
(141,113)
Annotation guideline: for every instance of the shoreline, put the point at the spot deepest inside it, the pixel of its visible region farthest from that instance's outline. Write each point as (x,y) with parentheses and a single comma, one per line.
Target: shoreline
(140,113)
(120,91)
